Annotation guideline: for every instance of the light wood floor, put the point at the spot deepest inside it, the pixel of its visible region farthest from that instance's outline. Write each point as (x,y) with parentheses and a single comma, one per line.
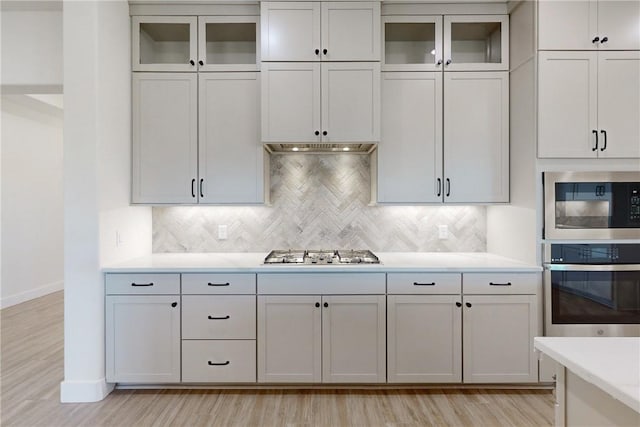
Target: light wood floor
(32,369)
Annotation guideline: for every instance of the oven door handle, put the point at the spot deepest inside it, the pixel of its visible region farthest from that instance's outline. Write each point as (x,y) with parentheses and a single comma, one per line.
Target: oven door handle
(592,267)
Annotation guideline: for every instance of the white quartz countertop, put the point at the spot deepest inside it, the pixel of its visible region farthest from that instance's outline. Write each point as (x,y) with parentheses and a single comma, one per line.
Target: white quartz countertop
(610,363)
(390,262)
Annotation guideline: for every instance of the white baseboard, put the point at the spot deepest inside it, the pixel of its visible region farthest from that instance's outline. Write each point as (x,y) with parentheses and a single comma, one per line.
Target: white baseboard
(10,300)
(84,391)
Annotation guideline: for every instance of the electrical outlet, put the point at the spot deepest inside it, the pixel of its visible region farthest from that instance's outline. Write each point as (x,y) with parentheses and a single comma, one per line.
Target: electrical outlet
(118,239)
(222,232)
(443,232)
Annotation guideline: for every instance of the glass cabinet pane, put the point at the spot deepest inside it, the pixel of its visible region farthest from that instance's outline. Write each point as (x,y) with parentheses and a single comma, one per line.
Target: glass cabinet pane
(410,42)
(230,43)
(164,43)
(476,42)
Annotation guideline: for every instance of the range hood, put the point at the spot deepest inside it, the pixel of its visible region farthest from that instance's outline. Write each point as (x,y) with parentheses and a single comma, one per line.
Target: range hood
(292,148)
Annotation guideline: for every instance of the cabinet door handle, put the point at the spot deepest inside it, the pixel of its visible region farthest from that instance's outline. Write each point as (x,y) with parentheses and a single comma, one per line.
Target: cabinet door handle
(439,62)
(468,304)
(604,39)
(192,62)
(499,284)
(424,284)
(317,304)
(317,132)
(324,132)
(174,304)
(595,132)
(448,187)
(201,188)
(439,187)
(201,62)
(448,62)
(604,140)
(458,304)
(324,51)
(218,284)
(326,304)
(596,39)
(142,284)
(219,318)
(218,364)
(193,188)
(317,51)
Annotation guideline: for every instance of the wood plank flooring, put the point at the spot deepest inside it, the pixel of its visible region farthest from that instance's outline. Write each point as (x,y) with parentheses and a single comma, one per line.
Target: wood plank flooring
(32,368)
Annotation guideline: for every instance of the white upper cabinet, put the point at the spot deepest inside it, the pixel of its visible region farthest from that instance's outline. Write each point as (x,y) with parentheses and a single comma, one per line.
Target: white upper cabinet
(450,43)
(164,43)
(476,137)
(228,43)
(316,31)
(410,149)
(476,43)
(311,102)
(589,104)
(190,43)
(165,138)
(230,152)
(589,25)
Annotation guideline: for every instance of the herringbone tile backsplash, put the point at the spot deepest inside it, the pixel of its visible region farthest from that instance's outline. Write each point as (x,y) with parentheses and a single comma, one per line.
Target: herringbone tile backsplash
(319,201)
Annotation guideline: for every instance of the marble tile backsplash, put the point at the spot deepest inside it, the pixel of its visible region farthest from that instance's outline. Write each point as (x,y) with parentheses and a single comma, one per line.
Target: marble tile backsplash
(319,201)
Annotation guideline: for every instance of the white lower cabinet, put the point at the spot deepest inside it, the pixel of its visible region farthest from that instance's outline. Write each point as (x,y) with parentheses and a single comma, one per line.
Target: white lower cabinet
(313,338)
(143,338)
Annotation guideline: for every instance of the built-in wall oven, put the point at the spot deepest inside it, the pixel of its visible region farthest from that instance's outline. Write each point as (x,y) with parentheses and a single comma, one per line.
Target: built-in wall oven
(592,289)
(592,205)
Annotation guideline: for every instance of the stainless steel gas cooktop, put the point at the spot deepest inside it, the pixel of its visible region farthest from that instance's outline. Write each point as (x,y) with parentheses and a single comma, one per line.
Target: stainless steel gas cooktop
(322,256)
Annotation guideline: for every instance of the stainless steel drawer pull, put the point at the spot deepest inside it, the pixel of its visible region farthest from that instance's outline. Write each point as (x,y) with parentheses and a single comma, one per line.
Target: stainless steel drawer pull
(142,284)
(424,284)
(218,318)
(499,284)
(218,284)
(218,364)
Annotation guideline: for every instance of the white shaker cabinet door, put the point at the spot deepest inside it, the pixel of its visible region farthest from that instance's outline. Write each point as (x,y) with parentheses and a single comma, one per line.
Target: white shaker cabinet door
(165,138)
(290,31)
(498,333)
(619,22)
(350,102)
(231,154)
(350,31)
(289,339)
(619,104)
(567,104)
(476,137)
(143,338)
(567,24)
(424,339)
(354,339)
(410,150)
(291,102)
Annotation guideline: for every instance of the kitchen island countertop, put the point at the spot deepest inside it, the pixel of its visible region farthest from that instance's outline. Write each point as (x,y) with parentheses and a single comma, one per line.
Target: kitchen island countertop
(390,262)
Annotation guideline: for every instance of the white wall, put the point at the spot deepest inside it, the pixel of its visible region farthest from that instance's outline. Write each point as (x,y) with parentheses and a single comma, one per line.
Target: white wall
(31,46)
(31,199)
(96,181)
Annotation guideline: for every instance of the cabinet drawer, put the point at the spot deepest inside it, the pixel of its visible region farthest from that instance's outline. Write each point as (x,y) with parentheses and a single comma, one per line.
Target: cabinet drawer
(423,283)
(219,361)
(218,317)
(501,283)
(142,283)
(321,283)
(239,283)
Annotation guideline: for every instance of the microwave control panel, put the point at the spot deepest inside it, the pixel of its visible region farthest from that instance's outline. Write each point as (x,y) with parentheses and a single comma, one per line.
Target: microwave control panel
(634,204)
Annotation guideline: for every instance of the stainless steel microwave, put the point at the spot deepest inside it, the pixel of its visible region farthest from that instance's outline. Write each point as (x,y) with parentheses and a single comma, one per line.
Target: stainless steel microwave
(592,205)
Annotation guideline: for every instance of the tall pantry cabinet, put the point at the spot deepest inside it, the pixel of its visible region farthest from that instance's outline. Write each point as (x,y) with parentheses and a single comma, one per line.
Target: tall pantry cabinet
(196,109)
(445,108)
(589,79)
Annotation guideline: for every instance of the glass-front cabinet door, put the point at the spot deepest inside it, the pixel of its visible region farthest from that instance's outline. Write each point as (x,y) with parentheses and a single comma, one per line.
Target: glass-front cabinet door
(476,43)
(228,43)
(412,43)
(164,43)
